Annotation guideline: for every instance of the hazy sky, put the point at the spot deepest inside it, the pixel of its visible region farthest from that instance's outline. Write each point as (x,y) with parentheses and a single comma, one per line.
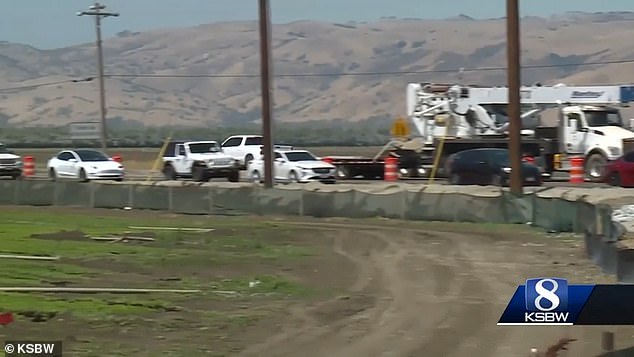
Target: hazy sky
(53,23)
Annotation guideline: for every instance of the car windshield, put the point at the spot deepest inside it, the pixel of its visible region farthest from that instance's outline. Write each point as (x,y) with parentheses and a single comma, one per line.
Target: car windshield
(603,118)
(500,157)
(300,156)
(4,150)
(201,148)
(91,155)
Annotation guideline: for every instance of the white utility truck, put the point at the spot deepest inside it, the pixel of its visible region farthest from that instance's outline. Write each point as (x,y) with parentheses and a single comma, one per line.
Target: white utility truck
(585,121)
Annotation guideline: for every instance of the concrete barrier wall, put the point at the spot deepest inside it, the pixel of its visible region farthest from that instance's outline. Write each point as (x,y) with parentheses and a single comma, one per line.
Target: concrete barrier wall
(553,209)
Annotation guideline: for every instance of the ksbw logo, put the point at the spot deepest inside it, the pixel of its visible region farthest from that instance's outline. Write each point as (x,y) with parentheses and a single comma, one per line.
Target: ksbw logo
(546,301)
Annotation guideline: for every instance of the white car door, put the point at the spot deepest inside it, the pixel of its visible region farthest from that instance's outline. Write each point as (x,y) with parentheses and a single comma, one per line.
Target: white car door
(281,167)
(231,147)
(61,164)
(180,162)
(573,137)
(74,165)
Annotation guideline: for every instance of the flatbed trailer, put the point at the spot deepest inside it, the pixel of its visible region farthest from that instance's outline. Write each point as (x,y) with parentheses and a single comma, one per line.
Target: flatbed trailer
(350,167)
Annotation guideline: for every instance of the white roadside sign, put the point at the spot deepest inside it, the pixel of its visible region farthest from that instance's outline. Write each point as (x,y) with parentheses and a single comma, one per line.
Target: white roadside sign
(85,131)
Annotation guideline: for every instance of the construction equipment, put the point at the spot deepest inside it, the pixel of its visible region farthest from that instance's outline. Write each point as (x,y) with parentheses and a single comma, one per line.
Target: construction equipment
(584,121)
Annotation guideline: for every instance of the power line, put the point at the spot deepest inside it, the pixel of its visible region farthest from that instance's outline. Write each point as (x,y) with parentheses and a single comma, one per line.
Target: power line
(45,84)
(368,74)
(341,74)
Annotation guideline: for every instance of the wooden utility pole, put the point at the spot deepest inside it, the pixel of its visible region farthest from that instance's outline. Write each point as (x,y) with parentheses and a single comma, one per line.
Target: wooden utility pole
(514,83)
(265,62)
(97,10)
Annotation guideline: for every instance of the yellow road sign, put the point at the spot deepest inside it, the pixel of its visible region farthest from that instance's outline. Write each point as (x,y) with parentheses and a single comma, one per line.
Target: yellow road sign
(400,128)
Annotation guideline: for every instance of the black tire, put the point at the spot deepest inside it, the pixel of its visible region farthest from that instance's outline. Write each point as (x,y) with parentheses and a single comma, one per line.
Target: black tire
(169,173)
(82,176)
(52,175)
(594,169)
(615,180)
(455,179)
(15,177)
(118,180)
(256,177)
(497,180)
(199,174)
(292,177)
(234,176)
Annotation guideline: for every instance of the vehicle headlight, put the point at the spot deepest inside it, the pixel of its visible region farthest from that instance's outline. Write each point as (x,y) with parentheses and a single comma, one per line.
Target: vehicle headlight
(421,171)
(210,162)
(403,171)
(18,163)
(614,150)
(507,170)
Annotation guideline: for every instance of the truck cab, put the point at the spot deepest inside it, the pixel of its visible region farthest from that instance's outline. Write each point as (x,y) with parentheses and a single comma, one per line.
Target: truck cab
(245,148)
(595,132)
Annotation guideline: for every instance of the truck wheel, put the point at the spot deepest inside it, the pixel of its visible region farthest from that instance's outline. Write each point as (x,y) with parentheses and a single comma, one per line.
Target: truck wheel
(595,167)
(247,160)
(234,176)
(169,172)
(199,174)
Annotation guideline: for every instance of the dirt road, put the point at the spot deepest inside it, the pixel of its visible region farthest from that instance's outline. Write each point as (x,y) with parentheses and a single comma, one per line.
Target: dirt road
(433,293)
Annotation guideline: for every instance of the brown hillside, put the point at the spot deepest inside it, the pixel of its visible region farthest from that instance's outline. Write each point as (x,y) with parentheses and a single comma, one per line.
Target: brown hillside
(301,47)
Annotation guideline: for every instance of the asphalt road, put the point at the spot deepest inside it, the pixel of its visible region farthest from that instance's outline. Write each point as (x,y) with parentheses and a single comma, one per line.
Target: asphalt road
(557,181)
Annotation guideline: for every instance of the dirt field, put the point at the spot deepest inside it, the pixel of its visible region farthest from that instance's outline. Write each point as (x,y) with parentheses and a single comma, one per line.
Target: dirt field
(144,158)
(285,286)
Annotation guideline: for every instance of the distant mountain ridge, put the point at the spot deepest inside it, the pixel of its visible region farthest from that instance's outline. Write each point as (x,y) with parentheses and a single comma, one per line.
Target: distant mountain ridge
(436,49)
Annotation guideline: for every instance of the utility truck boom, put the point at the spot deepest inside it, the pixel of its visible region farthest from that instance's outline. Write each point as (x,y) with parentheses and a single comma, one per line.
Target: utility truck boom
(585,121)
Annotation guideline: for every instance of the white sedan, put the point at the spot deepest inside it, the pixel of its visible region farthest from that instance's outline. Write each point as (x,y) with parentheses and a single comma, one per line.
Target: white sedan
(293,166)
(84,165)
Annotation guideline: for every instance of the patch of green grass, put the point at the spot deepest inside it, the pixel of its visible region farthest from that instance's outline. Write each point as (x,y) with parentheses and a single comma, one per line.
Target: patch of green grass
(84,307)
(234,242)
(22,273)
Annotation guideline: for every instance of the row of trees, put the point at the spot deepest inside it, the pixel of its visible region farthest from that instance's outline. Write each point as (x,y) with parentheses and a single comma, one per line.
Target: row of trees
(317,133)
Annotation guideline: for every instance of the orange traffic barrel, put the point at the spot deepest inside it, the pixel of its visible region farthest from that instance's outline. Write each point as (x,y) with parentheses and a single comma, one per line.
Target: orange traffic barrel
(28,168)
(576,170)
(391,169)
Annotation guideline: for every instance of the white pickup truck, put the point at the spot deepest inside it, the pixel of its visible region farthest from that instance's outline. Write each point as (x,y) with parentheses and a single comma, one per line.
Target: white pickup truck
(10,163)
(294,166)
(200,160)
(245,148)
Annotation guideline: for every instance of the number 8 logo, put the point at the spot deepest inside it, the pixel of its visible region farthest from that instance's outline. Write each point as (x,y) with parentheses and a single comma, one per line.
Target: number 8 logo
(549,295)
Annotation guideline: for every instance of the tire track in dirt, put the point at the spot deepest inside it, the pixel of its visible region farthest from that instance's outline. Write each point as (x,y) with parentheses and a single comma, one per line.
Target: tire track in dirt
(308,329)
(472,304)
(439,294)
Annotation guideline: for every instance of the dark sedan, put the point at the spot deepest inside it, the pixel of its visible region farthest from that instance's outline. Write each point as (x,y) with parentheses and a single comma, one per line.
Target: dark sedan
(488,167)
